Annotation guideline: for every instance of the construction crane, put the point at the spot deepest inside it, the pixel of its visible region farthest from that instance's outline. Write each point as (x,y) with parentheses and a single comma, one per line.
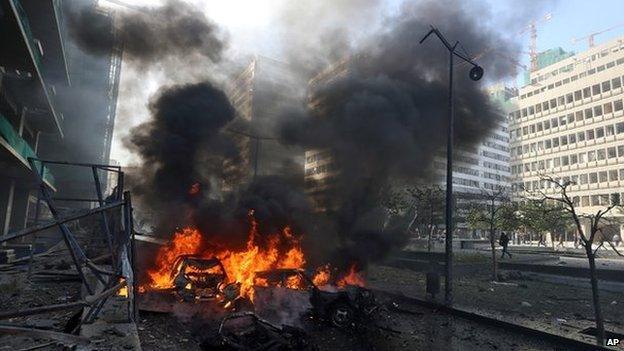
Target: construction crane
(532,29)
(591,37)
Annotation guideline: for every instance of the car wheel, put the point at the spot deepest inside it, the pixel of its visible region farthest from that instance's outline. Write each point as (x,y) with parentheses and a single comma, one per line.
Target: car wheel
(341,315)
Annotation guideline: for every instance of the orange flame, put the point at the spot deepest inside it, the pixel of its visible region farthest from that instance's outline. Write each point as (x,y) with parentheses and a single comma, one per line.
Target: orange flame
(282,250)
(195,189)
(353,278)
(322,275)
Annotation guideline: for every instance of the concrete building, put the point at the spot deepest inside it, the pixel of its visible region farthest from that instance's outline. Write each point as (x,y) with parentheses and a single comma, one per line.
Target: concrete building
(569,124)
(260,93)
(319,167)
(56,102)
(33,68)
(482,168)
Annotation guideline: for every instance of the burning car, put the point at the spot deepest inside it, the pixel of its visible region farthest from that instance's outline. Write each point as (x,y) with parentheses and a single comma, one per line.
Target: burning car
(247,331)
(343,307)
(198,278)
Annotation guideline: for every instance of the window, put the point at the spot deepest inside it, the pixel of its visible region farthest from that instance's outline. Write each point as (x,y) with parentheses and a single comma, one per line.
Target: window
(556,162)
(582,157)
(524,112)
(580,136)
(606,86)
(553,103)
(609,131)
(607,108)
(532,128)
(611,152)
(596,89)
(617,105)
(616,83)
(555,142)
(545,105)
(597,111)
(613,175)
(622,173)
(547,144)
(589,113)
(547,124)
(602,176)
(562,121)
(601,154)
(565,160)
(538,108)
(531,110)
(570,118)
(586,92)
(554,122)
(569,98)
(572,138)
(593,178)
(591,156)
(583,179)
(599,132)
(595,200)
(579,116)
(619,127)
(573,159)
(538,127)
(620,150)
(561,100)
(590,134)
(564,140)
(585,200)
(578,95)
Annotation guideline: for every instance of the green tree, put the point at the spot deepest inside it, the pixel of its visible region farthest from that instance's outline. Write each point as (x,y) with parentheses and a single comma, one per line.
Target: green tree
(493,211)
(544,217)
(559,193)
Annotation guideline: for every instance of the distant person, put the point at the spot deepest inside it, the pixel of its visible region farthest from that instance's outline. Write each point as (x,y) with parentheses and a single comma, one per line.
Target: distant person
(617,240)
(504,242)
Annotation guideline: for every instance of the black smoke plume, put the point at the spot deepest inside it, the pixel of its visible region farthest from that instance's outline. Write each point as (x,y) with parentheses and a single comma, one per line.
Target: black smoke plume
(383,116)
(148,35)
(182,149)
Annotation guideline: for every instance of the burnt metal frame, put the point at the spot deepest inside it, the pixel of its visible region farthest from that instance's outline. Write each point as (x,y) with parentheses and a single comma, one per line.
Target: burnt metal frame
(121,249)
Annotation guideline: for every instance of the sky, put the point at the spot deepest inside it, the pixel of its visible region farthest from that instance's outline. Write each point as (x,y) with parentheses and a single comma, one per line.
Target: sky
(251,30)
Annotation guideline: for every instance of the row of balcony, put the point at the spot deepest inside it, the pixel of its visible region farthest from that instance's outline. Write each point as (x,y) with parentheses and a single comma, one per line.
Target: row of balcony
(21,148)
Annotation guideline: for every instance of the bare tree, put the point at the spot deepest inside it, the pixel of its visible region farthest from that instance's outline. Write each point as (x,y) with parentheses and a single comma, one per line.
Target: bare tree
(491,211)
(560,194)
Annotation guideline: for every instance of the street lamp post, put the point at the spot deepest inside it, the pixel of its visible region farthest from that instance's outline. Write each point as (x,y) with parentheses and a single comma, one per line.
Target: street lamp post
(476,72)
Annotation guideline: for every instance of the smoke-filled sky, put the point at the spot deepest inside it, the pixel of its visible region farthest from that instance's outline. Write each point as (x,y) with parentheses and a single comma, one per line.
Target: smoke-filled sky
(252,28)
(290,31)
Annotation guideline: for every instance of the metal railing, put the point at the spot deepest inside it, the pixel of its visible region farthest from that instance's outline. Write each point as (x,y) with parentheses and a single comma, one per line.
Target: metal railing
(115,218)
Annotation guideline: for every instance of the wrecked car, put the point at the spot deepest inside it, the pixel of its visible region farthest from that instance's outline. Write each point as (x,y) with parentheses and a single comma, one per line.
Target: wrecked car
(197,278)
(345,307)
(247,331)
(291,278)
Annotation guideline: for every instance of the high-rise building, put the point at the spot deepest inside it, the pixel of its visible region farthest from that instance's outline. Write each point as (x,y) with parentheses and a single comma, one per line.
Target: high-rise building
(569,124)
(483,168)
(260,94)
(33,68)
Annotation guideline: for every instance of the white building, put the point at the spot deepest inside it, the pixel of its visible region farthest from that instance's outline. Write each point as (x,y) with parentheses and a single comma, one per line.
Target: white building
(569,124)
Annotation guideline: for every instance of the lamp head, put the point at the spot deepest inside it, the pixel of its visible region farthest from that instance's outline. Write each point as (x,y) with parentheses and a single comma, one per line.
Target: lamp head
(476,73)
